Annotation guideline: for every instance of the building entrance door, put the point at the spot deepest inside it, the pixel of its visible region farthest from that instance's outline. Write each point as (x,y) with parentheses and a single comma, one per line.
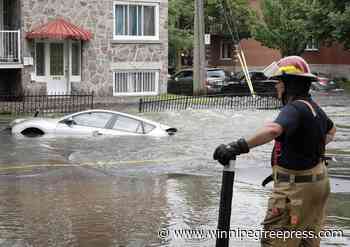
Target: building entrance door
(57,80)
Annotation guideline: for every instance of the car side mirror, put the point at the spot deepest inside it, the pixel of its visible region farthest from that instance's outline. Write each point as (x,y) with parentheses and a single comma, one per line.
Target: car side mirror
(69,122)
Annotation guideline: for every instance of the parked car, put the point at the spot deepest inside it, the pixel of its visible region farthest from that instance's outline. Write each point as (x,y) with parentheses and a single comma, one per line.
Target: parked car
(261,83)
(91,122)
(182,81)
(324,83)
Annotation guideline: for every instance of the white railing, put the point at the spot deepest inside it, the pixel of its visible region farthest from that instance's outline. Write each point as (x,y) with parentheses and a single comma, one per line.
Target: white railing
(10,46)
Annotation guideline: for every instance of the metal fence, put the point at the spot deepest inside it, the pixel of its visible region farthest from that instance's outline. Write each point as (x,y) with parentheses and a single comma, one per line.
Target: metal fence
(222,101)
(56,103)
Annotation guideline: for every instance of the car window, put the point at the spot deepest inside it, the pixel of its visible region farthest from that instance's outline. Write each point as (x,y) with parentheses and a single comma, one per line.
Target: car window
(241,76)
(128,124)
(183,74)
(238,74)
(148,127)
(258,76)
(93,119)
(216,73)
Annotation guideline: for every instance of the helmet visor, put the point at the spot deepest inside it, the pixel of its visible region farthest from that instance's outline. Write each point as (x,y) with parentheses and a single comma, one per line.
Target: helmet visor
(271,70)
(274,71)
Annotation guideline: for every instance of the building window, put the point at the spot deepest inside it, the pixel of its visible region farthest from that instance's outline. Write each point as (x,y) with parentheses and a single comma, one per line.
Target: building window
(135,82)
(312,45)
(136,21)
(40,59)
(56,59)
(76,56)
(226,50)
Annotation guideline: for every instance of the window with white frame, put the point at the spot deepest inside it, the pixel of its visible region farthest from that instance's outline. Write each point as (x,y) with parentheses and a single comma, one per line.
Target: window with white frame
(135,82)
(136,21)
(226,50)
(75,58)
(312,45)
(75,61)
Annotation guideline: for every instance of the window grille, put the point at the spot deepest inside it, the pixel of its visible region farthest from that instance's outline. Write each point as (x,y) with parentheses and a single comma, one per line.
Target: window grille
(135,82)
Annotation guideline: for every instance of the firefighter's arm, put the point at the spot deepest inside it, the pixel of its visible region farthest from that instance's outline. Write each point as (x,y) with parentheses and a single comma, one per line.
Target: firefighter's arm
(266,134)
(224,153)
(330,135)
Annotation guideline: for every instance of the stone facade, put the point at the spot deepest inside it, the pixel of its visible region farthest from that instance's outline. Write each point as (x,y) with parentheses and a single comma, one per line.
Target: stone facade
(101,55)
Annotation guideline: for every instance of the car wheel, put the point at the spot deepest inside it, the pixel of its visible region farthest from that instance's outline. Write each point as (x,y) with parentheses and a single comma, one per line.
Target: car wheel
(32,132)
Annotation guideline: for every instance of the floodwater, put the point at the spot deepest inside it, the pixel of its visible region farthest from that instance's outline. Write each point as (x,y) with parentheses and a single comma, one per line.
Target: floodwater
(120,191)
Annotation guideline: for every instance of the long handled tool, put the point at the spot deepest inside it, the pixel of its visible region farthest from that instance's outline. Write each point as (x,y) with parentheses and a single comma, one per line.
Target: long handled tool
(229,19)
(223,230)
(241,57)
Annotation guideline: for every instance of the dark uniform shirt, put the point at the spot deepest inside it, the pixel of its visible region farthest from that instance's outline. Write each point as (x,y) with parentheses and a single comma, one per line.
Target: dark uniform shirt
(302,143)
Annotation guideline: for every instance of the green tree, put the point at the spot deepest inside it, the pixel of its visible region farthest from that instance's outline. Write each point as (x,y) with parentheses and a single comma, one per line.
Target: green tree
(286,25)
(181,18)
(339,21)
(233,16)
(331,21)
(217,13)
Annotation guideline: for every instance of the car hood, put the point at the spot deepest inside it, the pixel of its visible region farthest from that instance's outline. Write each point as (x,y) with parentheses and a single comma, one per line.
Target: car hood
(32,120)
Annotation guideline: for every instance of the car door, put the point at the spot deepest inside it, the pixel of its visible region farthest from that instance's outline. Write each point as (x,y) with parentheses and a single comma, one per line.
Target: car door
(185,77)
(87,123)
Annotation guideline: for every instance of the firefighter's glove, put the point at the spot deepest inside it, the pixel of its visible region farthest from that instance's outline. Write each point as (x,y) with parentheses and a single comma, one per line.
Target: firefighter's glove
(225,153)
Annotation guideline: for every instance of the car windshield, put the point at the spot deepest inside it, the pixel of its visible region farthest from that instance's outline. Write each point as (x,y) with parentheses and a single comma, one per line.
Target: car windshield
(240,75)
(258,76)
(183,74)
(216,73)
(253,76)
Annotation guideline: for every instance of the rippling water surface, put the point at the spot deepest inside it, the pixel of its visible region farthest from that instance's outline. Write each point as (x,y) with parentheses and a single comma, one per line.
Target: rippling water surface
(119,191)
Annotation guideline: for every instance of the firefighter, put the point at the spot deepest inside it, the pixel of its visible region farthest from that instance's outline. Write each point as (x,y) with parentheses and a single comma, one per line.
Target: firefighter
(300,131)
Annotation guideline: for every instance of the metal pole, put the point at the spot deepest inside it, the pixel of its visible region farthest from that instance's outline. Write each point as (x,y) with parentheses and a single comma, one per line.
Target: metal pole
(199,73)
(223,233)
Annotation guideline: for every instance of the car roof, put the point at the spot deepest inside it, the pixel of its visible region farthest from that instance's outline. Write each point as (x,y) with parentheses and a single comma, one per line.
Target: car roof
(108,111)
(207,69)
(211,69)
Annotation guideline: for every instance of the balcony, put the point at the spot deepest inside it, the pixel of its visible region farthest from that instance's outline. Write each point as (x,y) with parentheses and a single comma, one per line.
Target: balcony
(10,49)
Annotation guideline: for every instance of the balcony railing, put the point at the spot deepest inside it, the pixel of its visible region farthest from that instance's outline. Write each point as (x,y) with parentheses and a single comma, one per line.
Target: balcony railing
(10,46)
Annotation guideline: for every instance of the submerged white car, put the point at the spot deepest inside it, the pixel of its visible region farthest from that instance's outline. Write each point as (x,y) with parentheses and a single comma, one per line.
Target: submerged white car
(91,122)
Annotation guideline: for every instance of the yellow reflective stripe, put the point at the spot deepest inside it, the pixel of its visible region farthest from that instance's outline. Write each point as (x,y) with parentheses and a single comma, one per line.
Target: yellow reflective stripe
(290,69)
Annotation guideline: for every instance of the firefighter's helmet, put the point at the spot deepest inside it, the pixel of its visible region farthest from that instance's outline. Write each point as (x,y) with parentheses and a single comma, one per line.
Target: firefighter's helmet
(290,66)
(295,73)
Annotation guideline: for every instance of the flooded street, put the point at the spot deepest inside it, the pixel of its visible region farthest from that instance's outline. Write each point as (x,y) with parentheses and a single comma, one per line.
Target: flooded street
(120,191)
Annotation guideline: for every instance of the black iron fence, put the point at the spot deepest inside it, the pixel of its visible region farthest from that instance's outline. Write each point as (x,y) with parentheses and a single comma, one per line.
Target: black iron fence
(222,101)
(42,103)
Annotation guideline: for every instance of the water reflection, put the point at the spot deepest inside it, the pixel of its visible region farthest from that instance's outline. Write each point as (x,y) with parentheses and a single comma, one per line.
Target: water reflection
(76,208)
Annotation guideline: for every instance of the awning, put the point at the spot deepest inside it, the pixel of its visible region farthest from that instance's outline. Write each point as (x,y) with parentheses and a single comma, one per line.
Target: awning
(59,29)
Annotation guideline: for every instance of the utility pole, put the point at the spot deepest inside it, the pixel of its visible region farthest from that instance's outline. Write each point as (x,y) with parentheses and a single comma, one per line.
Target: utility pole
(199,73)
